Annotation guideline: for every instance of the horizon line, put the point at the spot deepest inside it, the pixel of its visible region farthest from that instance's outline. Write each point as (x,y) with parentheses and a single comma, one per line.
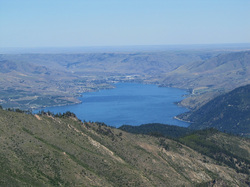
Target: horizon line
(121,48)
(127,45)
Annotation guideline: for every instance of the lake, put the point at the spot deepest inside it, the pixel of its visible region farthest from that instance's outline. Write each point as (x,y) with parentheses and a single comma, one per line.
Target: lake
(130,104)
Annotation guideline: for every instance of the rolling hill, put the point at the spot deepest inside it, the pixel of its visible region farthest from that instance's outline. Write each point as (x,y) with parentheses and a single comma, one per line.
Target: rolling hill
(211,77)
(224,71)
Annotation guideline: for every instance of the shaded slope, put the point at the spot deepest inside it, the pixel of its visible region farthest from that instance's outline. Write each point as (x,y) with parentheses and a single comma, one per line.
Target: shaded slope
(229,112)
(157,129)
(51,151)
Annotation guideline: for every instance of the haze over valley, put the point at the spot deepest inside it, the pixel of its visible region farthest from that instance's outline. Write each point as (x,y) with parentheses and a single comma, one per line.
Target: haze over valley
(39,80)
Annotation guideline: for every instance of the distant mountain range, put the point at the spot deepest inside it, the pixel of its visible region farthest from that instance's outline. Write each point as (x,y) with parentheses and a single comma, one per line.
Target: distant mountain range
(58,79)
(224,71)
(39,80)
(210,77)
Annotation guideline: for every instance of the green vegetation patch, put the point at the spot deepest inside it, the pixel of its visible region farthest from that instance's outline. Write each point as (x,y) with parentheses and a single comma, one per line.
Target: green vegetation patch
(157,129)
(234,157)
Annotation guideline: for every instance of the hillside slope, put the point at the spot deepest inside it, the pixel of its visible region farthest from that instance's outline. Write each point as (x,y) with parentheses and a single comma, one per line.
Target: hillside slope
(229,112)
(225,148)
(222,147)
(226,71)
(211,77)
(45,150)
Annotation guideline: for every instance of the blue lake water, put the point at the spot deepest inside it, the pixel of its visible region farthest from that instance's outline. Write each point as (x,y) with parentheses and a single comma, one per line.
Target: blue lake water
(130,104)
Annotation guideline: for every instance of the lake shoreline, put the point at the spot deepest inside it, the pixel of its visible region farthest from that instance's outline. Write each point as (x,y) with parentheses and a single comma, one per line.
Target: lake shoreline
(130,104)
(175,117)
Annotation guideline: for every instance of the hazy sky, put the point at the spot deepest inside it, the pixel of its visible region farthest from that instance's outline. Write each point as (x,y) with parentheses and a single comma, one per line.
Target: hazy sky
(66,23)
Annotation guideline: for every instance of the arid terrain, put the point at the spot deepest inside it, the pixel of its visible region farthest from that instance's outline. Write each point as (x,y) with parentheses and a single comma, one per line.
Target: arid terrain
(37,80)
